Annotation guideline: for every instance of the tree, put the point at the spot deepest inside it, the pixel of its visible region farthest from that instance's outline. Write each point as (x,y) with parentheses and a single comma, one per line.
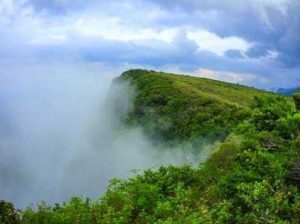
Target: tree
(8,214)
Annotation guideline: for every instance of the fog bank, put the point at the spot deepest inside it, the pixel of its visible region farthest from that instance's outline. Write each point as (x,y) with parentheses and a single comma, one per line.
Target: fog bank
(59,135)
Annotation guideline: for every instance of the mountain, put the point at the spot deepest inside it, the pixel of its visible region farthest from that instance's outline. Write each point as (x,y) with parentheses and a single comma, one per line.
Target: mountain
(251,177)
(287,91)
(183,108)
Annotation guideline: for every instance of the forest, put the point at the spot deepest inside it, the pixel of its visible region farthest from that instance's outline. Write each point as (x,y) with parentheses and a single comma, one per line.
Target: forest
(252,176)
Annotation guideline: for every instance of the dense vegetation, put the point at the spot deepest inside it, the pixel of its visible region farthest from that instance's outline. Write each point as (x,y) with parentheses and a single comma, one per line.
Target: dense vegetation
(253,177)
(183,108)
(296,97)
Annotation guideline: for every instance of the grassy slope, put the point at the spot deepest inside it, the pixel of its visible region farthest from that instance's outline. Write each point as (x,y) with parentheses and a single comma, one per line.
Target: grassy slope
(184,108)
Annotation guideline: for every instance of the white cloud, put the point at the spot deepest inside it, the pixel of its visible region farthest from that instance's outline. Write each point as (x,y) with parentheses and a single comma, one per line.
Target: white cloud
(43,29)
(262,7)
(280,5)
(218,45)
(112,28)
(6,7)
(49,39)
(229,76)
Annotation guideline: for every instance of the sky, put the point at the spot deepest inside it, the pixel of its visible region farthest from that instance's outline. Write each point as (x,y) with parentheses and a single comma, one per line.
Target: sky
(252,42)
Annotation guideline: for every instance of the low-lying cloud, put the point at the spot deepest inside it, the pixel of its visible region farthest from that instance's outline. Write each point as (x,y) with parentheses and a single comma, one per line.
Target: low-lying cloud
(60,136)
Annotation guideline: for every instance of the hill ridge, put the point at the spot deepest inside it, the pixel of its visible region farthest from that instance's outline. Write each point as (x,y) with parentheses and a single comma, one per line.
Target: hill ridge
(188,104)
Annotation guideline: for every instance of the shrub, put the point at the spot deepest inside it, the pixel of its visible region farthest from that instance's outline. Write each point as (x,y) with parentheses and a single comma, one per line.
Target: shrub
(296,98)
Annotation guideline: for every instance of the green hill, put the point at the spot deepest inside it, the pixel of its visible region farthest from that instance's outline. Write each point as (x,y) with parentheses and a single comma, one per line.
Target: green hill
(183,108)
(252,177)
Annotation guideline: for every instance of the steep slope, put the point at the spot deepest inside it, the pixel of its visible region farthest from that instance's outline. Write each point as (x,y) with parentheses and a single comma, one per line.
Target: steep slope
(183,108)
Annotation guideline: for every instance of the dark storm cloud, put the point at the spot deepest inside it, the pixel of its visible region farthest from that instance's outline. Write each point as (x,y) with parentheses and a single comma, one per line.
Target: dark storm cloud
(257,51)
(274,25)
(233,53)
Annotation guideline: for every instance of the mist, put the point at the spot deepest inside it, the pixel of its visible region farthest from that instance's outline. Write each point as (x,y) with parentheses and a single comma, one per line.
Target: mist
(60,135)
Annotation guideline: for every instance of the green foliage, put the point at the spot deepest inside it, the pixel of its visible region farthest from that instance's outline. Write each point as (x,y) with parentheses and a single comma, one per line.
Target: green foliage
(8,214)
(173,108)
(269,110)
(244,181)
(296,98)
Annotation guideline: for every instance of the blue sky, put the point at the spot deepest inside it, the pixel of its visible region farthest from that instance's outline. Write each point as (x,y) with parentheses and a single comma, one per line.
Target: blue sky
(253,42)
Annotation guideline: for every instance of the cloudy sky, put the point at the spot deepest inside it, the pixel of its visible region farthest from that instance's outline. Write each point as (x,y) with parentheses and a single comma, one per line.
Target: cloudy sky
(254,42)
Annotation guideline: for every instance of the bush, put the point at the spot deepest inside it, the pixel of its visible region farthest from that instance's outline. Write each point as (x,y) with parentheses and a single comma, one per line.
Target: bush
(8,214)
(296,98)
